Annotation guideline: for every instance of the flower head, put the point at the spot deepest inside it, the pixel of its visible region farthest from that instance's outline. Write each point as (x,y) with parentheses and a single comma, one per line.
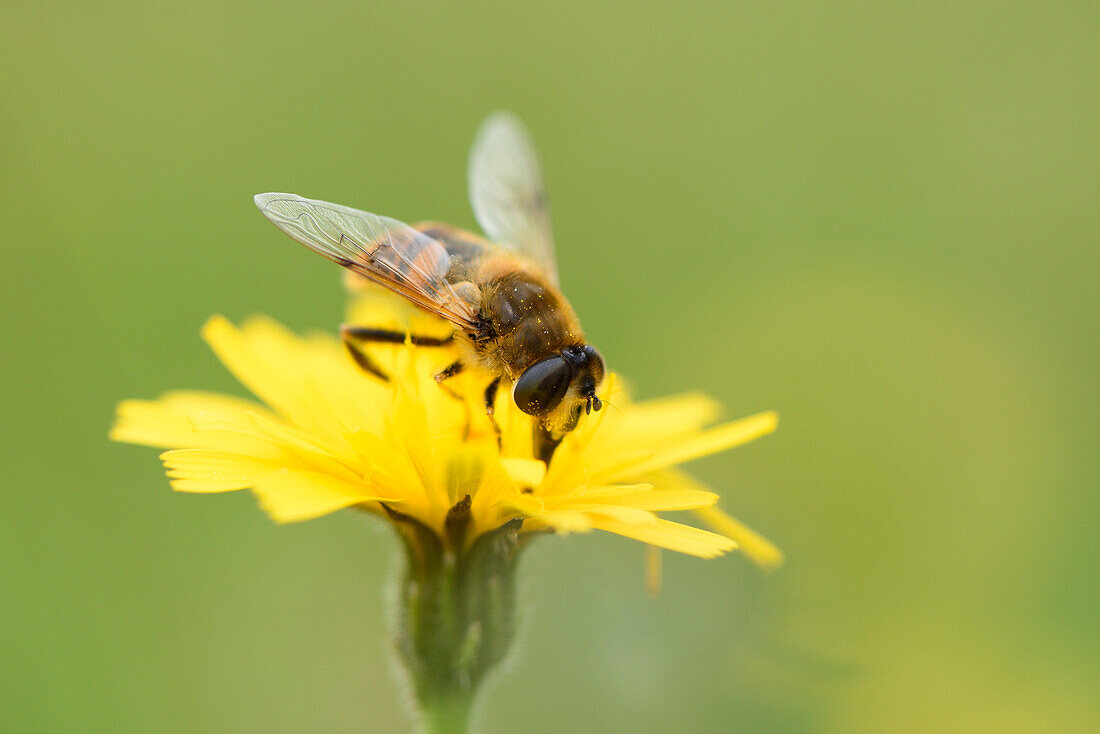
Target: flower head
(328,436)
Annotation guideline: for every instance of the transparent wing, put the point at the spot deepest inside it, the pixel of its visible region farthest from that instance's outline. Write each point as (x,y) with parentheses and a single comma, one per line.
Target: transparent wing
(506,190)
(383,250)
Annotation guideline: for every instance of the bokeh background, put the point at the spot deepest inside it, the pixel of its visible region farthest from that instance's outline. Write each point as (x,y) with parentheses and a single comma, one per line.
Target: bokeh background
(879,218)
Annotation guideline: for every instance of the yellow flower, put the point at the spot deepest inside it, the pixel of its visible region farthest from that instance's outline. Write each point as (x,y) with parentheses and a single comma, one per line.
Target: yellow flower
(331,436)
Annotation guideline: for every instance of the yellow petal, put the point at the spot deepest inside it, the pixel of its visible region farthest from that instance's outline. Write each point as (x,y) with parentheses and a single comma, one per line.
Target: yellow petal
(524,472)
(289,496)
(409,424)
(565,521)
(710,441)
(562,521)
(206,470)
(386,461)
(169,421)
(644,497)
(671,535)
(671,414)
(620,513)
(263,357)
(633,427)
(151,423)
(199,403)
(466,468)
(297,449)
(761,550)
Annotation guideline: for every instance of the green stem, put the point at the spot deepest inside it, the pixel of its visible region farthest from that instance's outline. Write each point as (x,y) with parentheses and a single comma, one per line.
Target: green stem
(456,614)
(446,715)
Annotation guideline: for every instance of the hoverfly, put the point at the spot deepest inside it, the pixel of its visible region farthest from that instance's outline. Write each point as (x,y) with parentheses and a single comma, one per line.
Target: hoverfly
(501,294)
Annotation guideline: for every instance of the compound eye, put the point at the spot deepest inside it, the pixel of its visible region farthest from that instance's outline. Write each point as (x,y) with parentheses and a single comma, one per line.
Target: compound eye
(542,386)
(596,364)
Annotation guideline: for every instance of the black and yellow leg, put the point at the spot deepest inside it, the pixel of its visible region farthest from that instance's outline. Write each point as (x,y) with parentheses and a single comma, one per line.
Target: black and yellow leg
(491,408)
(364,360)
(545,443)
(354,337)
(365,335)
(448,372)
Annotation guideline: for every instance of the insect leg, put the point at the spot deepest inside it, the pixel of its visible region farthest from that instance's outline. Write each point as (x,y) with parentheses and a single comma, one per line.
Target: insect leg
(365,334)
(364,360)
(491,408)
(354,337)
(448,372)
(545,443)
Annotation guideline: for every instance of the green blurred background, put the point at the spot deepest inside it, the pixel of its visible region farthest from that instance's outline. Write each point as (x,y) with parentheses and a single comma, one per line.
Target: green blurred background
(879,219)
